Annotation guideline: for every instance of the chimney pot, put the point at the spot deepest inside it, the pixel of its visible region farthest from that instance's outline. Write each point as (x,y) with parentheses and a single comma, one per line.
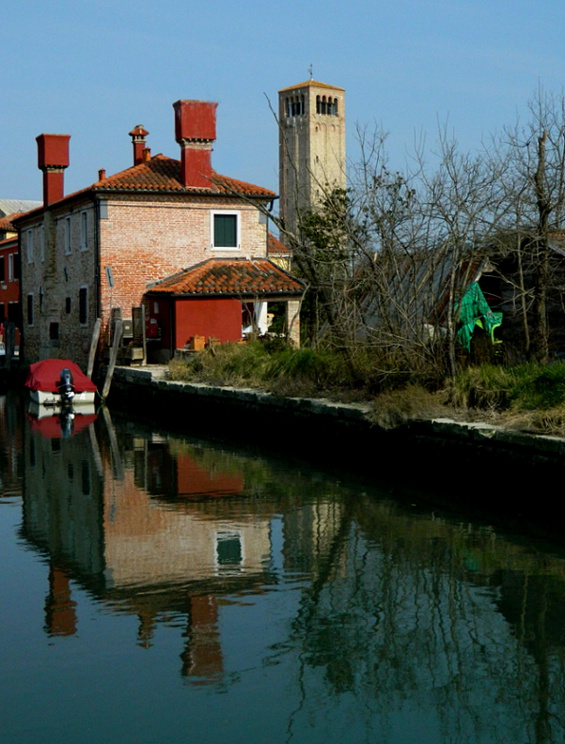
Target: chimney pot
(138,135)
(195,131)
(102,174)
(146,154)
(52,159)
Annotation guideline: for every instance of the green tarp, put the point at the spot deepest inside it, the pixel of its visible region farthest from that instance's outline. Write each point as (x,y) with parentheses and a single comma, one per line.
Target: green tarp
(474,311)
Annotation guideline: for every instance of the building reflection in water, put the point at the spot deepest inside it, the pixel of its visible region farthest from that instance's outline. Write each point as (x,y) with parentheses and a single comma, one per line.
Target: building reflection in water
(172,533)
(402,614)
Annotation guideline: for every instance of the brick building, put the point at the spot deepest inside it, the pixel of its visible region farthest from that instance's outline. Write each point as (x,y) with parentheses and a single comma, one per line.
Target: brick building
(106,245)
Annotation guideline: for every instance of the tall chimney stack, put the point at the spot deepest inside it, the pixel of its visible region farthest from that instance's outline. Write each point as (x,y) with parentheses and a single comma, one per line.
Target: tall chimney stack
(138,135)
(52,159)
(195,131)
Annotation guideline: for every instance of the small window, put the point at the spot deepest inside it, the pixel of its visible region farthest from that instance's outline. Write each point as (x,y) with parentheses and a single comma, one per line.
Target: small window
(53,331)
(13,267)
(67,236)
(83,305)
(229,551)
(2,269)
(30,309)
(67,305)
(42,243)
(225,230)
(14,313)
(83,231)
(29,246)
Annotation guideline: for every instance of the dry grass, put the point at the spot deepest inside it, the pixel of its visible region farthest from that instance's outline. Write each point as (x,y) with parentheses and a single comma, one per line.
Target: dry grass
(396,407)
(527,397)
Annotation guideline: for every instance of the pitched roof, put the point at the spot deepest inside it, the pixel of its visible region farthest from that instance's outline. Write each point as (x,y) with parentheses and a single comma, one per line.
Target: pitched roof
(231,277)
(308,83)
(161,173)
(275,246)
(10,206)
(6,222)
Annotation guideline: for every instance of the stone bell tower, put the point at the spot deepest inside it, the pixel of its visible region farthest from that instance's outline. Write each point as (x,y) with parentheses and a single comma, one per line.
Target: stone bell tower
(311,147)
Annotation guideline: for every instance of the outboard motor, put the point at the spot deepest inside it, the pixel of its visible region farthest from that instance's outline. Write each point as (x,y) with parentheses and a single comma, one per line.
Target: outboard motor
(66,387)
(66,419)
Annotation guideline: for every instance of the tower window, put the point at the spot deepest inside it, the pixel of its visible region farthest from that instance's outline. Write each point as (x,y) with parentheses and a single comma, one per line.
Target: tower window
(295,106)
(326,106)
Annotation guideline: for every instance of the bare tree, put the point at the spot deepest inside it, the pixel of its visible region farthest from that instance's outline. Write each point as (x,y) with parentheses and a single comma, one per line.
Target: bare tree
(534,191)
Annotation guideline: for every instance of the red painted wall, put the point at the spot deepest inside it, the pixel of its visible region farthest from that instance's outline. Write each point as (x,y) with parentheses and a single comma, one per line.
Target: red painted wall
(219,319)
(9,289)
(195,481)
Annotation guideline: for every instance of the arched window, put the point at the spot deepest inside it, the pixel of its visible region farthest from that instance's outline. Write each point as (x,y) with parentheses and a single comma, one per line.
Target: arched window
(318,105)
(335,107)
(324,105)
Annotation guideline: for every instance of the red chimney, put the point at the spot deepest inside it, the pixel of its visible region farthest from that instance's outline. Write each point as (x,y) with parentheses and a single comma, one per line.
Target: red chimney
(138,135)
(195,131)
(52,159)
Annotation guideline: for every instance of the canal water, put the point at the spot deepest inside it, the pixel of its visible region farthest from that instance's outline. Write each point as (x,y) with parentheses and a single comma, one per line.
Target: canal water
(157,588)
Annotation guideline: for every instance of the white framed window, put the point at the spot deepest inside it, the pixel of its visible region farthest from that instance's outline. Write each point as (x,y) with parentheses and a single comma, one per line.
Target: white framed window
(67,235)
(29,246)
(83,305)
(42,243)
(225,229)
(229,551)
(83,231)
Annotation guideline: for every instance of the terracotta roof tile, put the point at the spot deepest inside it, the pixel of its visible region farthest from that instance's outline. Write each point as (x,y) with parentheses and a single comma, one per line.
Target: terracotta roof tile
(6,222)
(275,246)
(308,83)
(163,174)
(236,277)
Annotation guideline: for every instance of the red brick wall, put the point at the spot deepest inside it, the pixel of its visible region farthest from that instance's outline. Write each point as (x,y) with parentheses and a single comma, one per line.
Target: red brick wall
(146,240)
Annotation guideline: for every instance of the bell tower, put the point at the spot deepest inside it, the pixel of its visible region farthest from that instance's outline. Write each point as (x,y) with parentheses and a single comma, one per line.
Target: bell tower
(311,147)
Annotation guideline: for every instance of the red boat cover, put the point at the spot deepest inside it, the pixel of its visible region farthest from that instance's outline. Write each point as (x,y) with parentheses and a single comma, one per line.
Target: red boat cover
(45,376)
(50,426)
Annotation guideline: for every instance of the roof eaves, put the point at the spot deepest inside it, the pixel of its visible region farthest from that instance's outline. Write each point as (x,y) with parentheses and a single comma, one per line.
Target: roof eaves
(310,83)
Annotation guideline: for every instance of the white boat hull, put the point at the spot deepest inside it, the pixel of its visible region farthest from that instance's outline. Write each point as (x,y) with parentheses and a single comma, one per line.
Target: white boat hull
(52,400)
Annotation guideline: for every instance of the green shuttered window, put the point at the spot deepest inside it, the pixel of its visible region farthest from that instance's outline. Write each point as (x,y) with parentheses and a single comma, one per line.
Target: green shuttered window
(225,231)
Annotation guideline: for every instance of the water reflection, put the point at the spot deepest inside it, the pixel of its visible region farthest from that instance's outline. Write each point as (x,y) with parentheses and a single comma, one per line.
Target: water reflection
(360,619)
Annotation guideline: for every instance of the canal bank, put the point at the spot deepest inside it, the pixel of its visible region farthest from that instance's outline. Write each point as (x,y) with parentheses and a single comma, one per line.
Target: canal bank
(472,466)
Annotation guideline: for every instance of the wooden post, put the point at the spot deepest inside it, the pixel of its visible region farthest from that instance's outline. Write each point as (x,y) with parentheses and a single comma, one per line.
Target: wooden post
(117,338)
(139,339)
(93,347)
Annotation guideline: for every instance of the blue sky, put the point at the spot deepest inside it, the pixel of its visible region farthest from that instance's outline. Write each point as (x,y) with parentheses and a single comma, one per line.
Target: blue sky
(95,69)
